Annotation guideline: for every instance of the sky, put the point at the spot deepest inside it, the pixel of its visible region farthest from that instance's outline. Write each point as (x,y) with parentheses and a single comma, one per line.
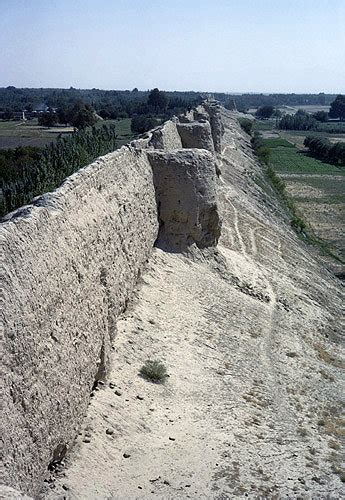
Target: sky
(203,45)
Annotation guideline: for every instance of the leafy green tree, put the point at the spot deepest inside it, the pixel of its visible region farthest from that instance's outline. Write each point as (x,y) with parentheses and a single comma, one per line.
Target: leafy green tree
(338,108)
(8,114)
(246,125)
(265,112)
(62,115)
(28,172)
(321,116)
(322,98)
(257,141)
(158,100)
(104,113)
(337,154)
(301,112)
(241,108)
(142,123)
(323,149)
(84,118)
(264,155)
(48,119)
(300,121)
(81,115)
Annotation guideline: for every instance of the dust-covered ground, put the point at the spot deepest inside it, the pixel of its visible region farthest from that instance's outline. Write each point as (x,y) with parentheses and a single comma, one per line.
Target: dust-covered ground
(250,335)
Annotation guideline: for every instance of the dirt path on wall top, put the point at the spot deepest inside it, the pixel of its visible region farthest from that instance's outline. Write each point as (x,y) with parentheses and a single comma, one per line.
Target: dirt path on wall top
(220,427)
(251,406)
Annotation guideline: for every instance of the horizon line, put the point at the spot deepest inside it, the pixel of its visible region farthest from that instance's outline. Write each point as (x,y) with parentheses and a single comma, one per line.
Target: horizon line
(185,90)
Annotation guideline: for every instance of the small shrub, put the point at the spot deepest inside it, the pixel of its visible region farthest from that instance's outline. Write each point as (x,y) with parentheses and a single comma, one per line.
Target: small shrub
(277,182)
(246,125)
(264,155)
(142,123)
(298,224)
(257,141)
(154,370)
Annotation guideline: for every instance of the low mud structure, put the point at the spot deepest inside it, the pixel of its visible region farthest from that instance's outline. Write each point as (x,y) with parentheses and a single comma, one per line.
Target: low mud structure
(172,248)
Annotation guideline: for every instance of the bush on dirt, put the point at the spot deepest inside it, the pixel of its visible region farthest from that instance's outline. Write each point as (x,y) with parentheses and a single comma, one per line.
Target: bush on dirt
(154,370)
(246,125)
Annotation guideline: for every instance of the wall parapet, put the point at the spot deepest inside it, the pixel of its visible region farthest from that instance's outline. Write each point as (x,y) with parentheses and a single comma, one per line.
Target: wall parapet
(72,259)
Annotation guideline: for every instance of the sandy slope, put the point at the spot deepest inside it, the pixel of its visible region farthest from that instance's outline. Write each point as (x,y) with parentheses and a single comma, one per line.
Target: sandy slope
(250,336)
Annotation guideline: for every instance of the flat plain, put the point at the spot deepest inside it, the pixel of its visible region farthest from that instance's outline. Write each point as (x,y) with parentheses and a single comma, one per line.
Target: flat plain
(29,133)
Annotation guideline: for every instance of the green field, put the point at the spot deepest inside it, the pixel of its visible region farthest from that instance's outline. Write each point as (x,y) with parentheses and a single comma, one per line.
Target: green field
(297,136)
(15,133)
(264,124)
(333,185)
(330,189)
(317,192)
(123,129)
(289,160)
(309,108)
(277,142)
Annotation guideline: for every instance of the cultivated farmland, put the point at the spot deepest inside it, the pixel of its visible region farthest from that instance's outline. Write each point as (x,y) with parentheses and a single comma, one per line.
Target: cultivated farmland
(18,133)
(318,193)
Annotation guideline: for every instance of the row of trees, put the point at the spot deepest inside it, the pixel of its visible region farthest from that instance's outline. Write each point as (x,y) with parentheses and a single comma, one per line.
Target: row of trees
(126,103)
(109,104)
(305,121)
(266,112)
(156,107)
(319,147)
(337,109)
(80,115)
(244,102)
(143,123)
(299,121)
(29,172)
(325,150)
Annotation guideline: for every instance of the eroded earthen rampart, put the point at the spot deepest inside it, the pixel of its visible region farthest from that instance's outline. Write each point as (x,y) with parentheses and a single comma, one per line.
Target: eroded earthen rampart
(71,261)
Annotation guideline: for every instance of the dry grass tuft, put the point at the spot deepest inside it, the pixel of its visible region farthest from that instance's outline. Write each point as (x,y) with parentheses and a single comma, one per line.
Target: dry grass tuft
(154,370)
